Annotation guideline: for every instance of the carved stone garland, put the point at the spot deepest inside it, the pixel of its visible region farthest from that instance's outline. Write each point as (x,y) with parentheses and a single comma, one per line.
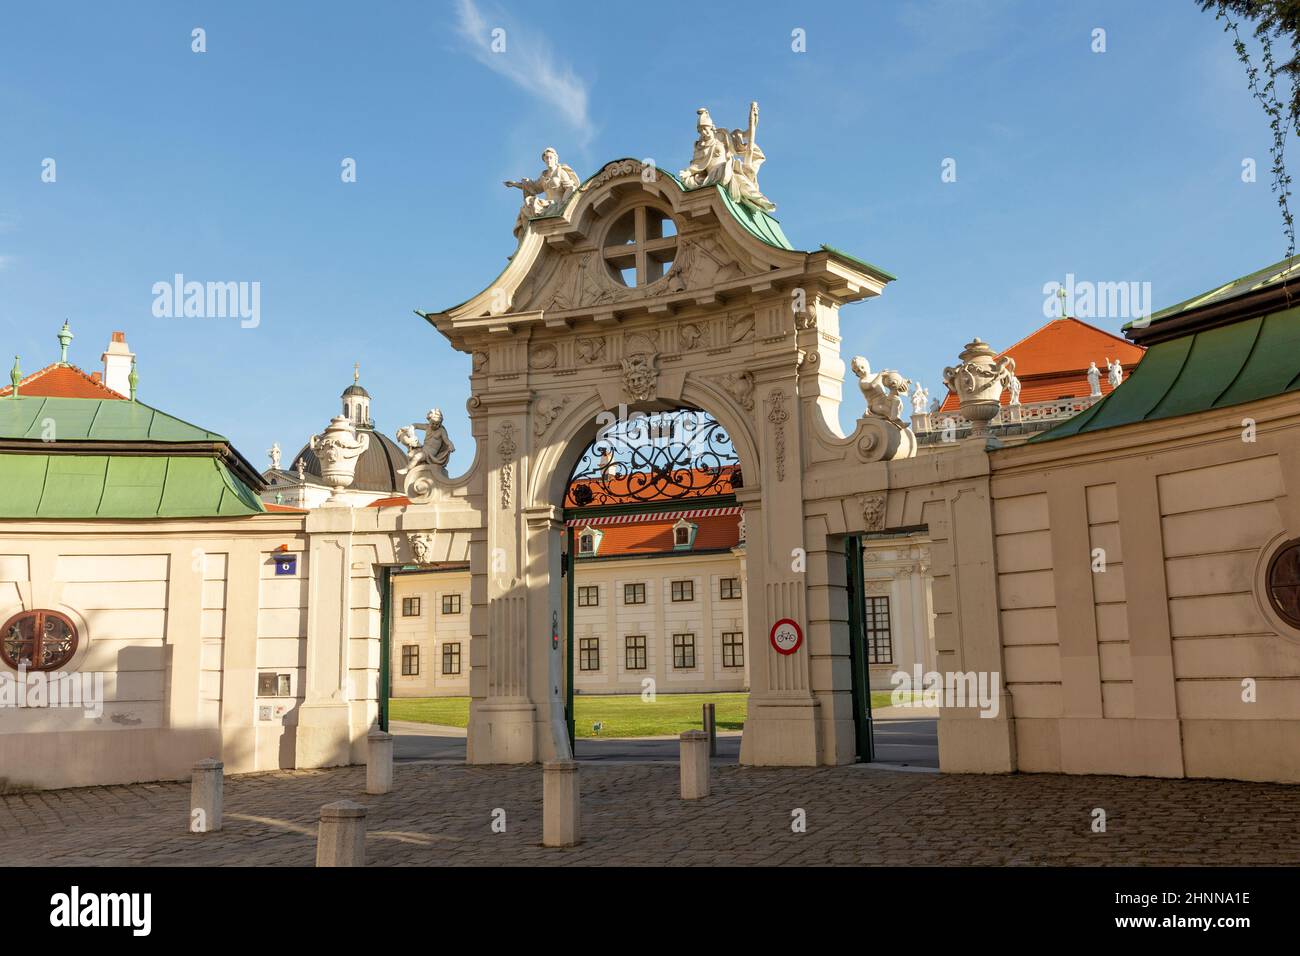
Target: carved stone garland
(778,416)
(506,449)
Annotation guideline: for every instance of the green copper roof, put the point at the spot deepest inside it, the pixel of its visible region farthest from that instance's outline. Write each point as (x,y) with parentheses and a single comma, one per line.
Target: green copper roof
(1245,361)
(758,223)
(860,263)
(108,458)
(93,419)
(121,486)
(1286,269)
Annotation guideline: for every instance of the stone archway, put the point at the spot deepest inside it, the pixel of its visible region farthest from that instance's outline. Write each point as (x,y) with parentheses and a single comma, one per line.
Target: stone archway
(740,325)
(651,461)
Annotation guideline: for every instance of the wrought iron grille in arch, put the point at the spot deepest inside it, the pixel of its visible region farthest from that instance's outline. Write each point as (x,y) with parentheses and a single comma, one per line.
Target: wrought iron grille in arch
(652,458)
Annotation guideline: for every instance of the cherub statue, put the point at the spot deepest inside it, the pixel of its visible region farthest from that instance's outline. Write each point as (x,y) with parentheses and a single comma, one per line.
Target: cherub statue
(883,391)
(436,448)
(552,187)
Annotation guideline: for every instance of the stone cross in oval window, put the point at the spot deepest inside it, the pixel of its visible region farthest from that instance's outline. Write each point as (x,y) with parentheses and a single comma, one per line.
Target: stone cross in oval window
(640,246)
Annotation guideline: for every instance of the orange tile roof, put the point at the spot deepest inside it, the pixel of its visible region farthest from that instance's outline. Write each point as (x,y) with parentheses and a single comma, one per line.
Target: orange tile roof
(62,381)
(1052,362)
(655,536)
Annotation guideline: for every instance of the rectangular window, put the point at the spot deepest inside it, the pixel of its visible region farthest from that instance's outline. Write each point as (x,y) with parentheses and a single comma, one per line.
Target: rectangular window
(589,595)
(451,604)
(683,651)
(683,591)
(589,653)
(634,652)
(411,607)
(729,589)
(880,644)
(634,594)
(410,660)
(733,649)
(451,658)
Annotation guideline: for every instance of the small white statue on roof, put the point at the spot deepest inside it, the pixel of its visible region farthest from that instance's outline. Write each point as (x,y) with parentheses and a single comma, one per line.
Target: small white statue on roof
(274,452)
(1114,372)
(1094,379)
(1013,383)
(921,400)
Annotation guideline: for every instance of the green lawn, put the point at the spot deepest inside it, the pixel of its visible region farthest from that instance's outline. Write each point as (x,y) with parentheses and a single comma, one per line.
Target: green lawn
(621,715)
(624,715)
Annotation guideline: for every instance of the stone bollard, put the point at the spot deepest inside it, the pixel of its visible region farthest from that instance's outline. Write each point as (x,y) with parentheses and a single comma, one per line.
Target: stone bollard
(341,840)
(695,764)
(379,761)
(561,812)
(205,796)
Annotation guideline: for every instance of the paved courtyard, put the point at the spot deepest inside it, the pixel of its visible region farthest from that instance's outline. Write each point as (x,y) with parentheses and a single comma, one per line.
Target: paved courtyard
(631,814)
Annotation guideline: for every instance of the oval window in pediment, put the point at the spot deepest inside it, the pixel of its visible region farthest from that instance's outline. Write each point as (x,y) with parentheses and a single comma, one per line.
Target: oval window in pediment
(640,246)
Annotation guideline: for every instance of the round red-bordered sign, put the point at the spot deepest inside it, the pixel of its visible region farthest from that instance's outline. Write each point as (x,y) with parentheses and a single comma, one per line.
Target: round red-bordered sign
(786,636)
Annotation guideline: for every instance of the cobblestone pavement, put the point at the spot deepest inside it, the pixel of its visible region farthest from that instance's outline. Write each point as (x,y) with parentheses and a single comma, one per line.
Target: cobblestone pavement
(631,814)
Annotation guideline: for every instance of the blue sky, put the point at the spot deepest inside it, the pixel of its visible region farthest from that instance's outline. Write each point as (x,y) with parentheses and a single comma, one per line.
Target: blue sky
(225,166)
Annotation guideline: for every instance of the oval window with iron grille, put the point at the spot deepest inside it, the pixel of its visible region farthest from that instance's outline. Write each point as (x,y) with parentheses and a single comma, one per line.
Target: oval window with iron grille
(38,640)
(1283,578)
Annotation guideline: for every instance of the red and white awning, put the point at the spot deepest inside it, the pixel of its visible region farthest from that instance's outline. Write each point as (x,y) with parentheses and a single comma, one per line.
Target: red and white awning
(654,516)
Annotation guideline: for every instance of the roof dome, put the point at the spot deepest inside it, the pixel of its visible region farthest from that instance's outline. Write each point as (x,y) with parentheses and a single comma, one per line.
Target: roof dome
(376,468)
(355,390)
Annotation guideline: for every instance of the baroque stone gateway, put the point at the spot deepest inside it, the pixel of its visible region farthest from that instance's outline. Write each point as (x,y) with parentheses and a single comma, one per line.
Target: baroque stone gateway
(640,291)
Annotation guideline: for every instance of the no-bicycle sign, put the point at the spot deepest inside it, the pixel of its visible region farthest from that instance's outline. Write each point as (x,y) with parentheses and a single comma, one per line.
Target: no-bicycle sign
(787,636)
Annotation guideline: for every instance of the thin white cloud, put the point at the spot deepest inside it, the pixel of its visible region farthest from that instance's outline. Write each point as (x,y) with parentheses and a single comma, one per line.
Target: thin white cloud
(528,62)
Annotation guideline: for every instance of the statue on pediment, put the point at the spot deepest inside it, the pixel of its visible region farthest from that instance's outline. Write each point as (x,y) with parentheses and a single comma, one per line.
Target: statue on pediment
(711,160)
(728,159)
(550,190)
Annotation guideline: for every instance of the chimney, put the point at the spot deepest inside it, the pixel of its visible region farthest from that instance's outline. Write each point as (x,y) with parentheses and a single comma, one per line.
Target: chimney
(117,365)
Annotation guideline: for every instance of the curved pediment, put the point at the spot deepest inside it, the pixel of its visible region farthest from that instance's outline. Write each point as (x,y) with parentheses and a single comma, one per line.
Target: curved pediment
(631,238)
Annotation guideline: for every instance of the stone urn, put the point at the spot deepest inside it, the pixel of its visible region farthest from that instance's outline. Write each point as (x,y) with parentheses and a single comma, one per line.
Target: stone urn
(978,381)
(338,449)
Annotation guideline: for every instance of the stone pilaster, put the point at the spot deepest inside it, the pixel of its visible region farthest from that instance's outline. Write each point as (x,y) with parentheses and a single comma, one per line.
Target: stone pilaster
(502,719)
(323,738)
